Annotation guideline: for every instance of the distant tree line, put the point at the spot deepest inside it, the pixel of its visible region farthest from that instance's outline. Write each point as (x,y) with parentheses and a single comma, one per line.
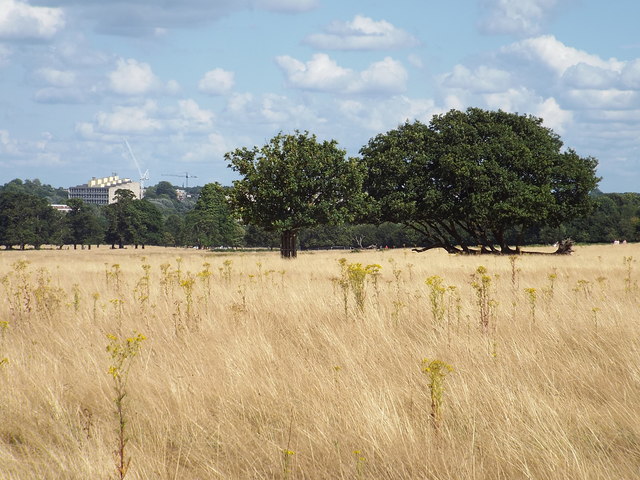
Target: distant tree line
(27,219)
(474,182)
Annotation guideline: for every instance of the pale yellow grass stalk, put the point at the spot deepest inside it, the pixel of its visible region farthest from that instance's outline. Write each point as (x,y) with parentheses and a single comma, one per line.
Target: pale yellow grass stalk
(267,362)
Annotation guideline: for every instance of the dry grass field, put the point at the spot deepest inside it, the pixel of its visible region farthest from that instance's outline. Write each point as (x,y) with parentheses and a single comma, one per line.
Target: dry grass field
(257,368)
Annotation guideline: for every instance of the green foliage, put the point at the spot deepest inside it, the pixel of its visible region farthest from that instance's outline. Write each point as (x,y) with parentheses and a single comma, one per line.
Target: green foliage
(132,221)
(294,182)
(210,223)
(37,188)
(122,352)
(82,224)
(469,178)
(27,220)
(436,370)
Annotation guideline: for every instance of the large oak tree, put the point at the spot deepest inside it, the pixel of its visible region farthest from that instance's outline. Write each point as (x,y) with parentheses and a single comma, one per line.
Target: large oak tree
(294,182)
(476,179)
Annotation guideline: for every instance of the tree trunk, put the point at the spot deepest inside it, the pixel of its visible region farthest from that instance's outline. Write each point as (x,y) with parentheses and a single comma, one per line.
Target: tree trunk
(288,244)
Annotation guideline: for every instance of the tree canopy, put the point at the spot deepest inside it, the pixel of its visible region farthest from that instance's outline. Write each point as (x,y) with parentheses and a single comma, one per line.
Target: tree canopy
(26,219)
(476,178)
(211,222)
(293,182)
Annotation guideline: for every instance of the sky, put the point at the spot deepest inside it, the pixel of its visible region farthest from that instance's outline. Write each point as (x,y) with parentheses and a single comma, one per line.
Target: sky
(186,81)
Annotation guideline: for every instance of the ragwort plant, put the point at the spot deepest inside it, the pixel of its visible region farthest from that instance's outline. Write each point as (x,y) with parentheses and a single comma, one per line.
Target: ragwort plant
(437,292)
(353,278)
(629,284)
(532,296)
(482,282)
(48,299)
(17,286)
(122,352)
(436,370)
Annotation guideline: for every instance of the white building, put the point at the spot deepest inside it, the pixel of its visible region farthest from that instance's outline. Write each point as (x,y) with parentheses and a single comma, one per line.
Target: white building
(101,191)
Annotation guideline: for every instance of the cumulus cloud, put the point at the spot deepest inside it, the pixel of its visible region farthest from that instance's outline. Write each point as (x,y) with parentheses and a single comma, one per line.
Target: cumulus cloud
(362,33)
(323,74)
(271,109)
(148,118)
(602,99)
(29,153)
(483,79)
(522,17)
(130,119)
(21,21)
(132,78)
(630,75)
(55,77)
(8,145)
(387,114)
(554,116)
(217,82)
(60,95)
(191,116)
(551,53)
(583,75)
(214,147)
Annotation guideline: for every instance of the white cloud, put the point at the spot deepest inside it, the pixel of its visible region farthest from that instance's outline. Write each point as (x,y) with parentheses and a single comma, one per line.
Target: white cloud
(149,118)
(513,99)
(191,115)
(521,17)
(382,116)
(583,75)
(555,55)
(602,99)
(21,21)
(631,75)
(60,95)
(27,153)
(322,73)
(238,102)
(271,109)
(172,87)
(416,60)
(483,79)
(217,82)
(132,78)
(362,33)
(387,75)
(56,78)
(74,49)
(136,119)
(8,145)
(215,146)
(554,116)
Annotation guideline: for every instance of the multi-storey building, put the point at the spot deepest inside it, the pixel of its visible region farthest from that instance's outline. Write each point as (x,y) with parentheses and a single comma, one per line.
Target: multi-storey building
(101,191)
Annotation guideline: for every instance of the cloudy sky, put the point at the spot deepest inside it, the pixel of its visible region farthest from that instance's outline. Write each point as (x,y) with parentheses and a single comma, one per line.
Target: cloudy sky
(186,81)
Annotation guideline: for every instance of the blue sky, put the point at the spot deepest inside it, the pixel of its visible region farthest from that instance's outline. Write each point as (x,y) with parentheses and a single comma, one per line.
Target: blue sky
(186,81)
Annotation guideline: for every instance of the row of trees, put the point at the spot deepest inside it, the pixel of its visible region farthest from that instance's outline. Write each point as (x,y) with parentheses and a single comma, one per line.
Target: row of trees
(474,181)
(27,219)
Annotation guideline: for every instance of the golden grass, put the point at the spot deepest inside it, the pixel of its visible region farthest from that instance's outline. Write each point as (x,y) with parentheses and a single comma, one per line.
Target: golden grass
(266,378)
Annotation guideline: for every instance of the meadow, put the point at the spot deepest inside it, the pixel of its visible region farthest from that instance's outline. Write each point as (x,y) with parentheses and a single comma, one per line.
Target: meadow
(181,364)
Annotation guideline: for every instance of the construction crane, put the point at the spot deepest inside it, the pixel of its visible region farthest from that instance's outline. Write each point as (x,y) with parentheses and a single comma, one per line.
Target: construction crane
(143,176)
(184,175)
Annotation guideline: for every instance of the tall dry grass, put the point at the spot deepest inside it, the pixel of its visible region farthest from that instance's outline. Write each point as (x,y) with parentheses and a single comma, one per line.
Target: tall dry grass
(252,369)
